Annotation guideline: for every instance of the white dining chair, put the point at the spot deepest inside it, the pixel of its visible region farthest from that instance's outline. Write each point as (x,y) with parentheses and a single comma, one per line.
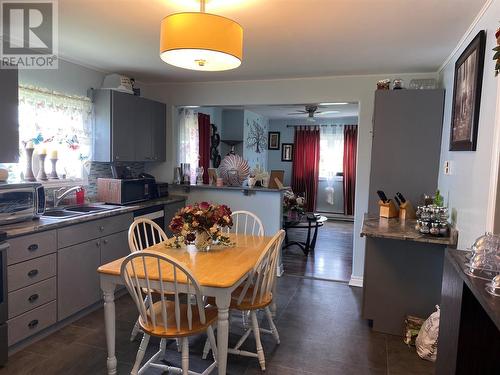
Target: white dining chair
(257,294)
(246,222)
(142,234)
(145,271)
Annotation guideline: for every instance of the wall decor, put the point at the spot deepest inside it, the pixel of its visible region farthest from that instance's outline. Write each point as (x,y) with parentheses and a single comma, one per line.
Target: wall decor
(467,95)
(256,137)
(496,56)
(287,152)
(273,140)
(214,146)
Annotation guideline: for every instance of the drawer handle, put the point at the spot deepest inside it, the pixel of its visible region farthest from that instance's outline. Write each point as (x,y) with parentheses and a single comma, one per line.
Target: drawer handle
(33,323)
(101,228)
(33,298)
(33,247)
(105,242)
(33,273)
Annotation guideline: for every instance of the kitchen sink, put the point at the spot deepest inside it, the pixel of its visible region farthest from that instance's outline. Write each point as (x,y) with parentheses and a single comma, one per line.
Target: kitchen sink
(85,209)
(60,214)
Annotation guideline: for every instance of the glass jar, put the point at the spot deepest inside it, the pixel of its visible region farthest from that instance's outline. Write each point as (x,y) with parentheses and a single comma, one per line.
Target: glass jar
(434,230)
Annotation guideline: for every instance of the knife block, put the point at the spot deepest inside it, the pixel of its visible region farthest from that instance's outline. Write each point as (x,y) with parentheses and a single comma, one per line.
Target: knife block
(388,210)
(406,211)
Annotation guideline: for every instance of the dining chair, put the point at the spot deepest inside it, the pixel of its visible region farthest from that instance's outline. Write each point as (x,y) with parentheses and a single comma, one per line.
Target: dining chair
(142,234)
(246,222)
(257,294)
(167,319)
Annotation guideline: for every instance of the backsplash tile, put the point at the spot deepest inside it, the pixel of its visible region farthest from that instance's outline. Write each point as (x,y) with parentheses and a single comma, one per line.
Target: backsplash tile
(103,170)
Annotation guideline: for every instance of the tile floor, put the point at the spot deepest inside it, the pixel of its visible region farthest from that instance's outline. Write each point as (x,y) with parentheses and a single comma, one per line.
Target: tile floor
(319,323)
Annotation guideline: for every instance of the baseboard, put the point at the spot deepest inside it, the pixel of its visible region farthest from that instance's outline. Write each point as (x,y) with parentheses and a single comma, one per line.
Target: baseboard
(356,281)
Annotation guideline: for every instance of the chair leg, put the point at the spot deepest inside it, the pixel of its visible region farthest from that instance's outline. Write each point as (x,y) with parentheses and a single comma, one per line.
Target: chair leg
(213,344)
(140,354)
(163,346)
(274,330)
(135,330)
(185,356)
(244,320)
(179,345)
(256,333)
(206,349)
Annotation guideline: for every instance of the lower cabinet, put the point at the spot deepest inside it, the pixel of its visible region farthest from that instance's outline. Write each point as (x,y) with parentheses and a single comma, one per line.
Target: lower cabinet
(170,211)
(114,247)
(77,278)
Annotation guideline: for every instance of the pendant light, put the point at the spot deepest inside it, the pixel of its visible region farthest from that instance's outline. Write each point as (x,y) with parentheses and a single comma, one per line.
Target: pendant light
(201,41)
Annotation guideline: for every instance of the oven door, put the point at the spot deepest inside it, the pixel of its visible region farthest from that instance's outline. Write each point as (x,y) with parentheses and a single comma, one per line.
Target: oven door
(17,204)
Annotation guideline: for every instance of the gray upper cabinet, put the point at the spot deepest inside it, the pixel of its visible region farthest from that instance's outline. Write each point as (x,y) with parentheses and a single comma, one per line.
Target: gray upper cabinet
(128,128)
(232,125)
(9,124)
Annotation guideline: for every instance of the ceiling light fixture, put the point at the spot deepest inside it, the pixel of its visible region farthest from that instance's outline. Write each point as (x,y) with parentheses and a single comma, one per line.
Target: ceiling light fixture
(338,103)
(201,41)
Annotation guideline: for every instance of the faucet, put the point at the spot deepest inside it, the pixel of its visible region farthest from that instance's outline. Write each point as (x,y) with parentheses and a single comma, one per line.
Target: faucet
(61,193)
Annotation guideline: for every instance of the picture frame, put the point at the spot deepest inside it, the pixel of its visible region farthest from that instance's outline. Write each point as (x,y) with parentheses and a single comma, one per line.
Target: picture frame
(287,152)
(466,101)
(273,140)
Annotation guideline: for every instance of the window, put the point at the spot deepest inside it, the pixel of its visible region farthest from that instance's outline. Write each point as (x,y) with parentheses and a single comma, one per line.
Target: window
(54,122)
(331,151)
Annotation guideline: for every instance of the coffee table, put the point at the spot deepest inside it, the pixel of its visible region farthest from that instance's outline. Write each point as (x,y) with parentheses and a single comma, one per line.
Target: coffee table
(309,221)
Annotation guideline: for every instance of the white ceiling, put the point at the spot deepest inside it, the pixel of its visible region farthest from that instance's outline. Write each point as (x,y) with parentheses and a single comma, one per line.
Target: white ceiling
(282,38)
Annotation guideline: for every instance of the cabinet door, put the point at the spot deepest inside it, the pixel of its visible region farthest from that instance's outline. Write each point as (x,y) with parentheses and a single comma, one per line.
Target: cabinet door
(143,130)
(77,278)
(9,140)
(170,211)
(114,247)
(123,116)
(158,122)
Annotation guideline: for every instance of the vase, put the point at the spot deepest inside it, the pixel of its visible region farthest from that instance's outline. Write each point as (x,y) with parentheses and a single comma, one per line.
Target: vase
(203,241)
(28,174)
(42,176)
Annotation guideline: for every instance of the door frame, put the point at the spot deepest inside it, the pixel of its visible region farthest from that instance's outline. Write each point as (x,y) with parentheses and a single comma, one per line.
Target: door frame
(493,209)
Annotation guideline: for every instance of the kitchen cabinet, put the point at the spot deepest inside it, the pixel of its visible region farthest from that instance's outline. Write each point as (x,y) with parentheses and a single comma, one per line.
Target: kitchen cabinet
(232,125)
(77,278)
(170,211)
(114,247)
(9,141)
(128,127)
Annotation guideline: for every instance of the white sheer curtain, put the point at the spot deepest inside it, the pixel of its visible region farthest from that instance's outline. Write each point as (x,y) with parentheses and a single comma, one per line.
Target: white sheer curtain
(188,139)
(331,150)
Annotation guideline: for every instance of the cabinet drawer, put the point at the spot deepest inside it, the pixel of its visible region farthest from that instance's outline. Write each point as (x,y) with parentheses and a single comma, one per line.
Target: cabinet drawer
(31,272)
(31,322)
(32,296)
(90,230)
(32,246)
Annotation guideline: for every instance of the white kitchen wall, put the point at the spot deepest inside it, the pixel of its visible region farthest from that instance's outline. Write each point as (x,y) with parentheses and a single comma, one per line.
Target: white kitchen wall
(359,89)
(287,136)
(467,188)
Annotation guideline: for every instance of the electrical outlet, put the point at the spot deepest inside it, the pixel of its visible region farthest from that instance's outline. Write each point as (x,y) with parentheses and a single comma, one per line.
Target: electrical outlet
(447,168)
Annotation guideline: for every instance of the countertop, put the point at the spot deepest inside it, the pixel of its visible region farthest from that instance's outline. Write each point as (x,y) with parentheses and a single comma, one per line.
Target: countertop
(47,223)
(225,187)
(396,229)
(490,304)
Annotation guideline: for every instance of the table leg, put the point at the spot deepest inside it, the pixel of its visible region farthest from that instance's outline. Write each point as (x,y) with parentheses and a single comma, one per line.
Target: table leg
(308,239)
(222,301)
(315,236)
(108,289)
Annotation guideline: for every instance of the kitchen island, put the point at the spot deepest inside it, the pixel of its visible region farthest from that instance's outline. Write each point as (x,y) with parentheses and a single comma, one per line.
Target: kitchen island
(403,272)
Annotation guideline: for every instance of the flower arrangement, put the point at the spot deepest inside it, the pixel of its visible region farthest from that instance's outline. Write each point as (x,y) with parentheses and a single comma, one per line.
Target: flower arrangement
(293,202)
(201,224)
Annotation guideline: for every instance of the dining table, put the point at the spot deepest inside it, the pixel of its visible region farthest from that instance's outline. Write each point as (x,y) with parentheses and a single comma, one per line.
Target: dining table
(219,272)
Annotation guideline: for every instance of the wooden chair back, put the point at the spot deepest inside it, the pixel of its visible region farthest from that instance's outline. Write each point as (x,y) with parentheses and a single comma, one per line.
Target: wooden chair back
(144,233)
(144,271)
(260,281)
(246,222)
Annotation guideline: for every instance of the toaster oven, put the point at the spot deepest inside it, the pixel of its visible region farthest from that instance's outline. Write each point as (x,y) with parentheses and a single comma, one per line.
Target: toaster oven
(19,202)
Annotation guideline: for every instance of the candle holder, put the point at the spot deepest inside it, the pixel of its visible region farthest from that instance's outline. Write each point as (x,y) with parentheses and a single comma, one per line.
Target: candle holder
(42,176)
(53,175)
(28,173)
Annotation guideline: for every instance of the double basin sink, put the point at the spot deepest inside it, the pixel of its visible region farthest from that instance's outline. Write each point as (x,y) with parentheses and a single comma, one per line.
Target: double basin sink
(67,212)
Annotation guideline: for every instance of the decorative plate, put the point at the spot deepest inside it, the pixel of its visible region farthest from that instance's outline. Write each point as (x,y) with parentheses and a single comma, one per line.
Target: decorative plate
(234,170)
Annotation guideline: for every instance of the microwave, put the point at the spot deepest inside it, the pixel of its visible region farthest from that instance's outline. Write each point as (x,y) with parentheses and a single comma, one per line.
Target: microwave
(121,191)
(19,202)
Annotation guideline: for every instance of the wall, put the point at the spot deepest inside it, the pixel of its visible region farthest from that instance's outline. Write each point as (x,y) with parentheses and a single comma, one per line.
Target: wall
(255,125)
(287,136)
(467,190)
(288,91)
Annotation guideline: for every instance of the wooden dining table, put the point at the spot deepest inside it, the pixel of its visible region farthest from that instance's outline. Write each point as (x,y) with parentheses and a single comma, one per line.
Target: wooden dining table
(219,272)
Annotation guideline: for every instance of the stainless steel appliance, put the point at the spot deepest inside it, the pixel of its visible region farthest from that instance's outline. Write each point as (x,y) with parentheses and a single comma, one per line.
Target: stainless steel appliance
(19,202)
(118,191)
(162,188)
(3,299)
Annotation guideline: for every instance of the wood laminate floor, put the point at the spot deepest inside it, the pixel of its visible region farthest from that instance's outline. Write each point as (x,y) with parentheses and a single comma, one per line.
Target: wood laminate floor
(319,324)
(332,259)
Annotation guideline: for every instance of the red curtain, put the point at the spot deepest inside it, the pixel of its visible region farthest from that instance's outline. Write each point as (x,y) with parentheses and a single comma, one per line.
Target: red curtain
(204,146)
(350,149)
(305,172)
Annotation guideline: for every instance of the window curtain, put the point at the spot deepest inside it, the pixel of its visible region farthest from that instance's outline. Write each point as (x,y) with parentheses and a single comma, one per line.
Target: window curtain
(188,140)
(56,122)
(204,144)
(350,150)
(305,171)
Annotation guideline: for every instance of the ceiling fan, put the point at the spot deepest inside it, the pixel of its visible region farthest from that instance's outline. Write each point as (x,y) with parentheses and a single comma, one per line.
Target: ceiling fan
(310,110)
